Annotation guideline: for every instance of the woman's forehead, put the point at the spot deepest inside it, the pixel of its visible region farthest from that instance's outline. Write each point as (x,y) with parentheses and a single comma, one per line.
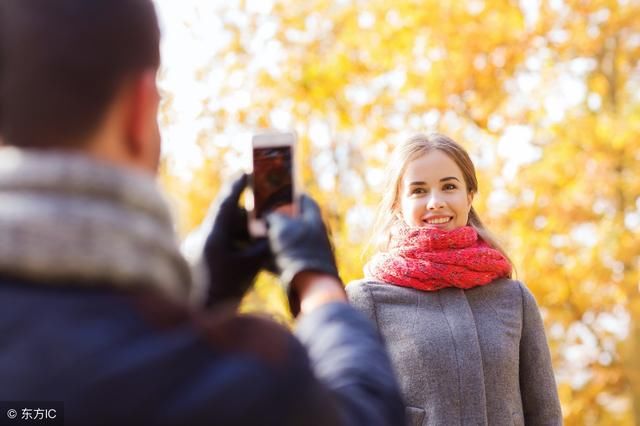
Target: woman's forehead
(431,167)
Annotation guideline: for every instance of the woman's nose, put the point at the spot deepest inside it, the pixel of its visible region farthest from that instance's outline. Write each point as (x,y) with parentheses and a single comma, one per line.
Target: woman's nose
(434,202)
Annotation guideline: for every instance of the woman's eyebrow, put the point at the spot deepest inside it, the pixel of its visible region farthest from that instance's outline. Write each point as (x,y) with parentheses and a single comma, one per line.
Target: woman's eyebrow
(422,183)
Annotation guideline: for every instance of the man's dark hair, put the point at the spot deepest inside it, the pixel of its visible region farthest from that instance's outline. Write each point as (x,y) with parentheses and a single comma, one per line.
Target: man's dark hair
(63,61)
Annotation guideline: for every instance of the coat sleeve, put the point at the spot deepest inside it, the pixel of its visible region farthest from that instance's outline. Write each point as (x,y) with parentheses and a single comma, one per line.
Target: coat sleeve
(540,401)
(348,357)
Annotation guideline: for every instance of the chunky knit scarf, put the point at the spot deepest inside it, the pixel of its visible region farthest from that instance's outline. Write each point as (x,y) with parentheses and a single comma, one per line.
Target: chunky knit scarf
(430,259)
(65,218)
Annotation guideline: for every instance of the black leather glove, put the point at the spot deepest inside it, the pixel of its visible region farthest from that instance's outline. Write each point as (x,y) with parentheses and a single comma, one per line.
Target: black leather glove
(300,244)
(232,256)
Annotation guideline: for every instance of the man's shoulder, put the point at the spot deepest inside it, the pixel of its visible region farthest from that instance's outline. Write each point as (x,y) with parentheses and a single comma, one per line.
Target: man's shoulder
(124,319)
(253,335)
(120,346)
(222,330)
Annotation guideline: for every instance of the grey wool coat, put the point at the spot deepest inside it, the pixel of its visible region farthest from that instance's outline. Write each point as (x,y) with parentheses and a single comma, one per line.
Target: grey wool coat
(465,357)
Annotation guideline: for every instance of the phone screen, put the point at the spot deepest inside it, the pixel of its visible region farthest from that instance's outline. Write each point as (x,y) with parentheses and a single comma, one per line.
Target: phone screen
(272,179)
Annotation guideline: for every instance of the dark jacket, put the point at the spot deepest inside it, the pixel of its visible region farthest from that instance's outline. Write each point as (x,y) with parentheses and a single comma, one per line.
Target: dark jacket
(116,357)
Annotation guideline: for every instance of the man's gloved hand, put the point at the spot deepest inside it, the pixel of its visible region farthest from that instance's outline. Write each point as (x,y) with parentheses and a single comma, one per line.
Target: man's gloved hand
(300,244)
(232,256)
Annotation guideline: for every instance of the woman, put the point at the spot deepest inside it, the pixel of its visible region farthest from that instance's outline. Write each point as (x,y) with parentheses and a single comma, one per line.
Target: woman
(467,342)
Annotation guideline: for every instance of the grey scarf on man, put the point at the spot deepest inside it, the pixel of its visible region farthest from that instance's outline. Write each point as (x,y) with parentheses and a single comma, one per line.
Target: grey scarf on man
(68,218)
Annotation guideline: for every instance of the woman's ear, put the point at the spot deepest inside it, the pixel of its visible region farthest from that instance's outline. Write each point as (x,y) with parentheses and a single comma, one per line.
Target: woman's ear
(470,196)
(397,213)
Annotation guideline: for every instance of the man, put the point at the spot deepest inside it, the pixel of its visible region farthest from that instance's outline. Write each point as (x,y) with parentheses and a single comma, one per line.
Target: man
(98,309)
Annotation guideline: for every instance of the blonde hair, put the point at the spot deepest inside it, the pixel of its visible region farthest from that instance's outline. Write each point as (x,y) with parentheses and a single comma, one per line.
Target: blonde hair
(417,146)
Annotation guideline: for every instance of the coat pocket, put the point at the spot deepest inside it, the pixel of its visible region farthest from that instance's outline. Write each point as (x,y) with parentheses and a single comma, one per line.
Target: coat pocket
(415,416)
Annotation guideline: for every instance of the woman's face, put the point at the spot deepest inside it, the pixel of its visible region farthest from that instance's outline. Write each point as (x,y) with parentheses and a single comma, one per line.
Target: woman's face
(433,193)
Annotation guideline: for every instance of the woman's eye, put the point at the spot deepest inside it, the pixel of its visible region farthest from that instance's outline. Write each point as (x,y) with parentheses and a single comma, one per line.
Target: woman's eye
(418,191)
(449,186)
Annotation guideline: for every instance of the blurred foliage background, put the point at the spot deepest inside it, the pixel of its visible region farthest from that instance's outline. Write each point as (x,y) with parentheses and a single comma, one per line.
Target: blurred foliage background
(545,95)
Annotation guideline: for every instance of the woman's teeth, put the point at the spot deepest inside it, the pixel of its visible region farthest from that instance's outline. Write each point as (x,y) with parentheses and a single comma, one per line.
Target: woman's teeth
(438,221)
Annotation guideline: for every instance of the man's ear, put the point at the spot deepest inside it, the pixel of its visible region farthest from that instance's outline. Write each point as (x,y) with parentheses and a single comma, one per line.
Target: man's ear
(141,128)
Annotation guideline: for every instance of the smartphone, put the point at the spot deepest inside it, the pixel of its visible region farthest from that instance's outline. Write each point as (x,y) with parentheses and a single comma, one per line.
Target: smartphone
(272,181)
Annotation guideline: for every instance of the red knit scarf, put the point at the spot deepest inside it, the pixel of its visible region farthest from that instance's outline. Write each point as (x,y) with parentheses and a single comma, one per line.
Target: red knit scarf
(430,259)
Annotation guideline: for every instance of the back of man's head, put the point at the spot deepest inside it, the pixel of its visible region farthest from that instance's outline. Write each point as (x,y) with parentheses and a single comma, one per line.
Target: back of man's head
(62,63)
